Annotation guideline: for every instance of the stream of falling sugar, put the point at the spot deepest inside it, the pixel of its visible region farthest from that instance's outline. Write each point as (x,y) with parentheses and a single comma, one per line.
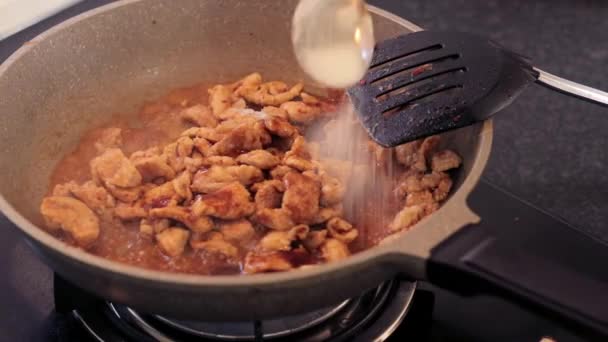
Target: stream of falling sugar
(369,200)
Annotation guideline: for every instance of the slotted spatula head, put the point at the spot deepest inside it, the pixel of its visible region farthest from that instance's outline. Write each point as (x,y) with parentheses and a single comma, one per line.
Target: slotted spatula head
(428,82)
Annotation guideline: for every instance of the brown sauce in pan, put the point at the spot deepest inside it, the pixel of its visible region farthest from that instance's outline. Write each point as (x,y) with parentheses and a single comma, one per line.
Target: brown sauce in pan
(157,123)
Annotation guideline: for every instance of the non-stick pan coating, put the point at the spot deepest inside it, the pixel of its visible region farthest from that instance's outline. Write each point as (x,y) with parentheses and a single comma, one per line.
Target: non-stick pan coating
(112,59)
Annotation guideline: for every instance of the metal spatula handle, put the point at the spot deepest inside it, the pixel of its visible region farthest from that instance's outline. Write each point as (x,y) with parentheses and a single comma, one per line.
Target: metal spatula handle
(572,88)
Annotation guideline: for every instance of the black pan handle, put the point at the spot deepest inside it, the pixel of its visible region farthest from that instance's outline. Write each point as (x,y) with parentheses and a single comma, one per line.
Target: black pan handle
(528,256)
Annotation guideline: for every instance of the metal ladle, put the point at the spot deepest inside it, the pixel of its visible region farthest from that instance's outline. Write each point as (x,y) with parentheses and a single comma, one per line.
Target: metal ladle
(333,40)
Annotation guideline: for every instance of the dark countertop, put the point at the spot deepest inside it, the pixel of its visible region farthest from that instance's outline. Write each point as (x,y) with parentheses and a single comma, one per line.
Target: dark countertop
(548,149)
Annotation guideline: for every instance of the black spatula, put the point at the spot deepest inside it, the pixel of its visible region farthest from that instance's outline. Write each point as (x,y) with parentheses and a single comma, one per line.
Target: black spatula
(428,82)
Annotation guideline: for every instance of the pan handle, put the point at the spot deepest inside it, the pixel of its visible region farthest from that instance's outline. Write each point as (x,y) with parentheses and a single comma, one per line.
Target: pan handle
(527,256)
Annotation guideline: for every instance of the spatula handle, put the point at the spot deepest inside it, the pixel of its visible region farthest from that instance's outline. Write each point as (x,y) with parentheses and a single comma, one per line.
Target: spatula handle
(525,255)
(572,88)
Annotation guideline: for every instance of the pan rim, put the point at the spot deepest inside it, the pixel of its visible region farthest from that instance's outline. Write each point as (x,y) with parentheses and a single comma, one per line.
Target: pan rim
(380,253)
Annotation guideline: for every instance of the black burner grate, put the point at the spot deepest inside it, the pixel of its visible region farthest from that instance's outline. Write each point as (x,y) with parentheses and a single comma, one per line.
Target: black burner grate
(373,316)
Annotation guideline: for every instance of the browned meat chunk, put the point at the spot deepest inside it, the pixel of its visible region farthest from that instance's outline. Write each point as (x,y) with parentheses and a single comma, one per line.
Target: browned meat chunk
(269,194)
(408,156)
(227,126)
(216,177)
(268,94)
(428,146)
(177,152)
(202,146)
(276,87)
(342,230)
(416,182)
(300,112)
(276,241)
(309,99)
(152,165)
(282,240)
(301,197)
(199,115)
(219,160)
(280,171)
(237,231)
(244,138)
(151,227)
(185,146)
(220,99)
(406,218)
(439,183)
(422,198)
(266,262)
(245,174)
(332,190)
(230,202)
(129,212)
(275,111)
(194,163)
(206,133)
(325,214)
(72,216)
(299,157)
(201,185)
(127,195)
(161,196)
(315,239)
(113,168)
(443,188)
(145,228)
(445,160)
(250,81)
(334,250)
(95,197)
(278,219)
(298,163)
(172,241)
(195,222)
(279,126)
(181,185)
(299,148)
(259,158)
(216,244)
(414,155)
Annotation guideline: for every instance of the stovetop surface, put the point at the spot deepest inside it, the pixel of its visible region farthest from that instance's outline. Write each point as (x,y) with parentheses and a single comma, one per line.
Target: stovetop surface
(548,148)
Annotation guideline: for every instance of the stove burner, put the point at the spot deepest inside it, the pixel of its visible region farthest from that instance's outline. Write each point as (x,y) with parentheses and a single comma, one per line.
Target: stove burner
(372,316)
(242,331)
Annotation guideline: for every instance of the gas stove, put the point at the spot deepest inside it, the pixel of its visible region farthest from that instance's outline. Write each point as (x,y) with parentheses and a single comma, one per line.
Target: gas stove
(376,315)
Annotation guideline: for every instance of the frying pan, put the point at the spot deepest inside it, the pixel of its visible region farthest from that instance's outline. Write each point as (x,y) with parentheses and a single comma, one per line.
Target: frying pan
(113,58)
